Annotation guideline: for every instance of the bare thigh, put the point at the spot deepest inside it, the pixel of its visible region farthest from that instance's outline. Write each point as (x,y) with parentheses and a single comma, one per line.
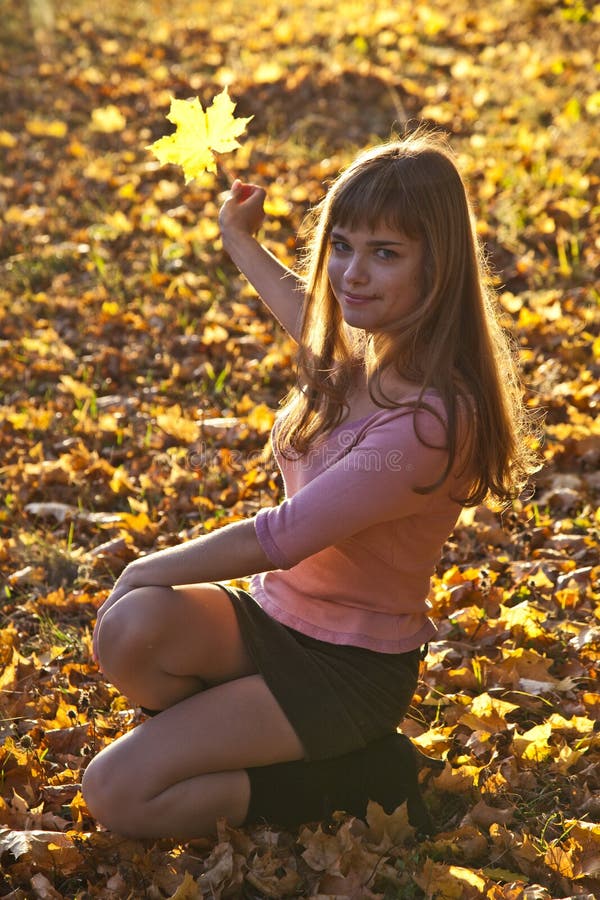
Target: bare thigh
(159,645)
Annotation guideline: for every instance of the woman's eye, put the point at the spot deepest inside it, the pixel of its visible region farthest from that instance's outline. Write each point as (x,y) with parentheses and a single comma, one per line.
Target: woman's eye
(340,246)
(386,253)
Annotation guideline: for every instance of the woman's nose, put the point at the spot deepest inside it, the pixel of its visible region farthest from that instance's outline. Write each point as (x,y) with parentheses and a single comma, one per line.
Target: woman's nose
(356,270)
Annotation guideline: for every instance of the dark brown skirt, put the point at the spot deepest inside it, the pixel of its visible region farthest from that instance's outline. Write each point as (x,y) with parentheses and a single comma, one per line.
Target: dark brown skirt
(338,698)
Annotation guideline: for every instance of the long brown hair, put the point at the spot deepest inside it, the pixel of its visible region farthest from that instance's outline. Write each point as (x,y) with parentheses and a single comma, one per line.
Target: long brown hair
(451,342)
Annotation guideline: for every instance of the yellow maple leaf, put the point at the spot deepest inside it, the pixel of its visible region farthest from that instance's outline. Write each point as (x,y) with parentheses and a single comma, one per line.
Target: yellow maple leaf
(200,134)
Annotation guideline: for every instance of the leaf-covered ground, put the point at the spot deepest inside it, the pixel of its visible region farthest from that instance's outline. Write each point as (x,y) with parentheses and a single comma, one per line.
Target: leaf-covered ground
(139,377)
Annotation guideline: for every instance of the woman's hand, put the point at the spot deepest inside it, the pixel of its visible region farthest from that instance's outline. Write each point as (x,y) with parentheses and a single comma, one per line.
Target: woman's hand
(243,211)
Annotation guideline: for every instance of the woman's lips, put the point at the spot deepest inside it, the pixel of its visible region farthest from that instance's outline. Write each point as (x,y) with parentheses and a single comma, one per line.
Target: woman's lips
(357,299)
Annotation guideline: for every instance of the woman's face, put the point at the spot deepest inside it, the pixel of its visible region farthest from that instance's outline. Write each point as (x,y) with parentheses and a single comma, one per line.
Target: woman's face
(376,276)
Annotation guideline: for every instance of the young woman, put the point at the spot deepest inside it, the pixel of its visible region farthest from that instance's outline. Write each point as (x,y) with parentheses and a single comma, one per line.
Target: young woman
(283,703)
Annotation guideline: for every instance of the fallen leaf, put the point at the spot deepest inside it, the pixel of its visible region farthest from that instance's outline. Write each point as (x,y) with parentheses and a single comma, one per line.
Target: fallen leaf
(189,889)
(46,128)
(108,119)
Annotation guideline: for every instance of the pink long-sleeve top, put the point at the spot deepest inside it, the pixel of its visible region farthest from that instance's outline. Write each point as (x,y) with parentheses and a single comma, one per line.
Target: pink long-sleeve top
(353,544)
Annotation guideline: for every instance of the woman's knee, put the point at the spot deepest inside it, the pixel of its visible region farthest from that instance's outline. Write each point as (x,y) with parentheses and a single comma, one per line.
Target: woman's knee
(106,802)
(113,795)
(131,629)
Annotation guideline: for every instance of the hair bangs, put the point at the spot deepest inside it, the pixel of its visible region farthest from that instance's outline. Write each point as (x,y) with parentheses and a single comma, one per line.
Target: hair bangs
(379,195)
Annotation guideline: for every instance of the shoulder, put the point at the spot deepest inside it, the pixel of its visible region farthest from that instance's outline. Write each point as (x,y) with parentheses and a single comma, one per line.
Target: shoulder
(424,418)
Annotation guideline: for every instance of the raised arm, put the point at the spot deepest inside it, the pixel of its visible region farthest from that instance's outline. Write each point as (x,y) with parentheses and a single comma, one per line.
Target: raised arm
(280,289)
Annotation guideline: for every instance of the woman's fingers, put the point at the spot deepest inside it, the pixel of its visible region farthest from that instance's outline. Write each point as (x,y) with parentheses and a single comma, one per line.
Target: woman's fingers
(243,191)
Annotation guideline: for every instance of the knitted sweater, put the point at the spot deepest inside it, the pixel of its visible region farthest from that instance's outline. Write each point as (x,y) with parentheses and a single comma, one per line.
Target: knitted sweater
(353,543)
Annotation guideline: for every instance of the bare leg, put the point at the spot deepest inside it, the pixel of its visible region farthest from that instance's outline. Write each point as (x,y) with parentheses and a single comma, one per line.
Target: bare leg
(174,775)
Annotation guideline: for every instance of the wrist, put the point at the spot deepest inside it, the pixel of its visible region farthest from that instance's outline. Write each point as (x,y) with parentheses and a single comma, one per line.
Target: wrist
(232,237)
